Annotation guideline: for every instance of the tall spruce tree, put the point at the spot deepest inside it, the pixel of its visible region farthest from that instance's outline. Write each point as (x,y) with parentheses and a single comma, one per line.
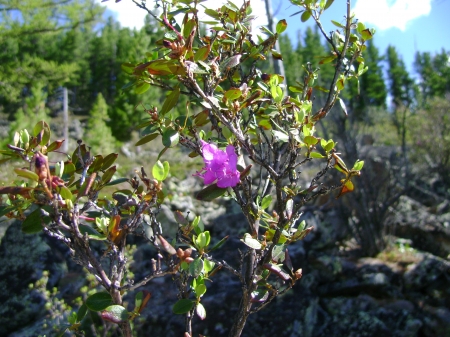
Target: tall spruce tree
(401,86)
(434,73)
(99,136)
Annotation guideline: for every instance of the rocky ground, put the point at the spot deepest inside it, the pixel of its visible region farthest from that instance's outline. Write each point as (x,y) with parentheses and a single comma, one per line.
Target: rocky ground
(404,291)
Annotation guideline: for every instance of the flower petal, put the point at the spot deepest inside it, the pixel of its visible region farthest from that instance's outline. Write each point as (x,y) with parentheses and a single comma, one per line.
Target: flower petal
(209,177)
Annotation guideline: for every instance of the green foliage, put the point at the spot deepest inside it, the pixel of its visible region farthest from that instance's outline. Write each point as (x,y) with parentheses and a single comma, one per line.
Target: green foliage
(401,85)
(371,90)
(229,101)
(29,32)
(434,73)
(98,134)
(430,139)
(32,111)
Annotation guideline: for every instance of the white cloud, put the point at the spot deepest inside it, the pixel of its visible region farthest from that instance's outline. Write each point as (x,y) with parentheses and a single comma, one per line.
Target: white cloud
(385,14)
(126,12)
(129,15)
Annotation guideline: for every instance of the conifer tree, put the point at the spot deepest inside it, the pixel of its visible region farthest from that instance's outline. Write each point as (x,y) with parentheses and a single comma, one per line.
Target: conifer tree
(401,85)
(434,73)
(98,135)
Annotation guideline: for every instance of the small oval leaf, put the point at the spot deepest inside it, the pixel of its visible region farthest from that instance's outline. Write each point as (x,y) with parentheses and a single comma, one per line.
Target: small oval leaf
(158,171)
(182,306)
(99,301)
(170,138)
(26,174)
(171,101)
(146,139)
(200,311)
(109,160)
(250,242)
(210,193)
(115,313)
(33,223)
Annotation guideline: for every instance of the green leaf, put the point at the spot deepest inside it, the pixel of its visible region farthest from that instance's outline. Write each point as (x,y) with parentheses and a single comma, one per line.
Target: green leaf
(182,306)
(108,174)
(360,27)
(266,201)
(146,139)
(340,83)
(179,218)
(117,181)
(55,145)
(210,193)
(311,140)
(230,62)
(158,171)
(171,100)
(65,193)
(260,295)
(59,169)
(305,16)
(138,300)
(327,59)
(281,136)
(265,124)
(281,26)
(200,289)
(162,152)
(358,165)
(69,168)
(33,223)
(219,244)
(328,4)
(166,170)
(232,94)
(170,138)
(115,313)
(141,87)
(26,174)
(367,34)
(99,301)
(42,126)
(109,160)
(208,266)
(184,121)
(200,311)
(196,267)
(127,68)
(316,155)
(203,240)
(92,233)
(212,13)
(251,242)
(343,107)
(72,318)
(337,24)
(202,53)
(5,210)
(327,145)
(81,312)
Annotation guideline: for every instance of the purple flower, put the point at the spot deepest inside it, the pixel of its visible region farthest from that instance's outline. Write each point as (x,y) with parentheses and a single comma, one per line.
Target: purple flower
(220,166)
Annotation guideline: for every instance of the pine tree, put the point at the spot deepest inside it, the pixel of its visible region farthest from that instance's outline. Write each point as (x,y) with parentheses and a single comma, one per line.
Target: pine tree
(99,136)
(372,91)
(434,73)
(401,85)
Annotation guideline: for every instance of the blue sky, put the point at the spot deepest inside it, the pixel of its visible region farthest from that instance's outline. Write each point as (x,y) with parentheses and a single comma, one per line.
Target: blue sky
(409,25)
